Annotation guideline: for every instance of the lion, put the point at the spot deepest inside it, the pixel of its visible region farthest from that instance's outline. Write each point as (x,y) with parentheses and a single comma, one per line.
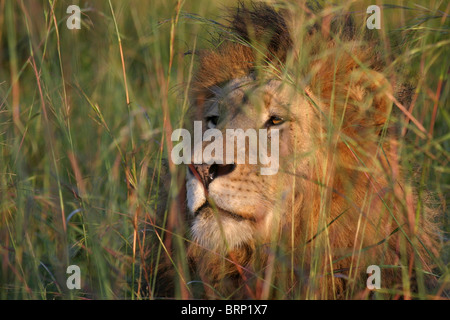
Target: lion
(340,201)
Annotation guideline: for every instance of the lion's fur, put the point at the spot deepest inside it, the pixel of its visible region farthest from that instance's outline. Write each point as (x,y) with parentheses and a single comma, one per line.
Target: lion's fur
(357,191)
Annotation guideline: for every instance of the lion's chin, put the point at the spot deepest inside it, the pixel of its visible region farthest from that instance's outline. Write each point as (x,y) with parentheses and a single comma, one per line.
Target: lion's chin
(206,208)
(220,230)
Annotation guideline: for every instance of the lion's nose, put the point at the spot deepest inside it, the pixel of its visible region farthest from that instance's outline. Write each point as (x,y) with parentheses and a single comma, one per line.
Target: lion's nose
(210,172)
(217,170)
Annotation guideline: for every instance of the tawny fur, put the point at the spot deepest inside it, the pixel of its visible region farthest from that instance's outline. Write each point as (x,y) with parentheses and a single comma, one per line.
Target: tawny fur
(360,206)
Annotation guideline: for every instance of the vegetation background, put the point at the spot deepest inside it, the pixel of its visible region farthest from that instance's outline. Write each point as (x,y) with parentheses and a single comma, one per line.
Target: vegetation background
(85,117)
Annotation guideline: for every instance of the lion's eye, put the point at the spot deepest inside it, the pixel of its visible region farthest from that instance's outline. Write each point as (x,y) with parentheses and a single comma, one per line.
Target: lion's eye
(212,121)
(274,121)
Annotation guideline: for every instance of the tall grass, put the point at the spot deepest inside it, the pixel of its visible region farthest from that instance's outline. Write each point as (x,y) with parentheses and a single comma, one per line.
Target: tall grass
(85,123)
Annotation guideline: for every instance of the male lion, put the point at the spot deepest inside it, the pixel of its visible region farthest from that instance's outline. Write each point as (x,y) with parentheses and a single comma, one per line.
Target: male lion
(339,202)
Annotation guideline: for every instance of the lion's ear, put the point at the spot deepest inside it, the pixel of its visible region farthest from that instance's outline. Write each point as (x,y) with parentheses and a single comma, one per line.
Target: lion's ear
(370,94)
(261,23)
(351,86)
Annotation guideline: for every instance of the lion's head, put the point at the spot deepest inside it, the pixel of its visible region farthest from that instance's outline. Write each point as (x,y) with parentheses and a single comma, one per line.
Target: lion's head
(335,205)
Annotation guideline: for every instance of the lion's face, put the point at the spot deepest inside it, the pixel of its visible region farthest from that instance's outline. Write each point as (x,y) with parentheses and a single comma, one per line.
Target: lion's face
(245,205)
(338,181)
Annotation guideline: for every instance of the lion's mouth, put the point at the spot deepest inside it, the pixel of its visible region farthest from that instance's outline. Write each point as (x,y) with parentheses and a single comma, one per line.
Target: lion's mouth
(208,208)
